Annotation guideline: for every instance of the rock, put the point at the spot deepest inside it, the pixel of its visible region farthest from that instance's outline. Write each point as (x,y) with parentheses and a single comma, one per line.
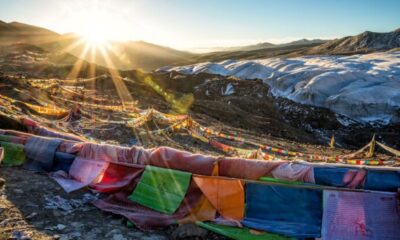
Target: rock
(77,225)
(18,191)
(56,237)
(40,224)
(32,215)
(189,231)
(19,235)
(136,235)
(116,222)
(112,233)
(50,228)
(93,234)
(4,223)
(75,234)
(31,204)
(64,237)
(119,237)
(154,237)
(57,213)
(61,227)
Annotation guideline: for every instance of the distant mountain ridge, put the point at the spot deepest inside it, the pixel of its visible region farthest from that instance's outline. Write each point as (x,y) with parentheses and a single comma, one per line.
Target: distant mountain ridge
(148,57)
(361,43)
(366,42)
(15,32)
(124,55)
(264,45)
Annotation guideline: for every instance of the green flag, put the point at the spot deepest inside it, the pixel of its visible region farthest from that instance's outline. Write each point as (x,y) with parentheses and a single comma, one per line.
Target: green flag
(14,154)
(240,233)
(161,189)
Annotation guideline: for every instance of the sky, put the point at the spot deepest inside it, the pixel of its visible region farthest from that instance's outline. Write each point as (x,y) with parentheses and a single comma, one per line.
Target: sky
(198,25)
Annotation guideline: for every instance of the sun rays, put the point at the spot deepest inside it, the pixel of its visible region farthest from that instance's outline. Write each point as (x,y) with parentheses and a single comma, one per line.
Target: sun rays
(94,45)
(95,36)
(122,90)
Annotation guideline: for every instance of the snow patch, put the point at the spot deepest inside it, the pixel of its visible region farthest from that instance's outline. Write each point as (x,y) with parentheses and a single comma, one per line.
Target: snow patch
(363,87)
(229,90)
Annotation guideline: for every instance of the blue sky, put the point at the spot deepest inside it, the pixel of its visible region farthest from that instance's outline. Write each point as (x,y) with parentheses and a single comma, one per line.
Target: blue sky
(189,24)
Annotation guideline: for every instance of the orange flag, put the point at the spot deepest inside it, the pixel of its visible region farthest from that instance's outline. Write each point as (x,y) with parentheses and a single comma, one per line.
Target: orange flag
(204,210)
(226,195)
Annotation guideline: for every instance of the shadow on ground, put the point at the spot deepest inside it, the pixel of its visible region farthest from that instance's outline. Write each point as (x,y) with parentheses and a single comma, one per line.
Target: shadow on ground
(32,206)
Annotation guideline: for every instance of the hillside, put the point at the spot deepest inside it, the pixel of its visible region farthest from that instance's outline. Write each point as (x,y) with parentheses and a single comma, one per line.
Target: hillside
(15,32)
(223,101)
(124,55)
(136,55)
(348,85)
(276,51)
(148,57)
(264,45)
(257,46)
(366,42)
(362,43)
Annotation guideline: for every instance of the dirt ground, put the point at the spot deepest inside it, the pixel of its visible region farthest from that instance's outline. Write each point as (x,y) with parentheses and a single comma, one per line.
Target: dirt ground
(32,206)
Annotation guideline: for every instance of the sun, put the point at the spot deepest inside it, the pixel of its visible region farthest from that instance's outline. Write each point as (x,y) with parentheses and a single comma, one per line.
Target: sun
(94,35)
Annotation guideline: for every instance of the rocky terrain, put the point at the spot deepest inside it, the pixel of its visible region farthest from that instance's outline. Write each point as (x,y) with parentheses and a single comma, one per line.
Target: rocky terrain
(291,103)
(33,206)
(43,211)
(347,85)
(217,100)
(365,42)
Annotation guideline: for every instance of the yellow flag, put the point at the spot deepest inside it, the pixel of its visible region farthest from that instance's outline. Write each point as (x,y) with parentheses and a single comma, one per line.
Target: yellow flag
(332,143)
(371,151)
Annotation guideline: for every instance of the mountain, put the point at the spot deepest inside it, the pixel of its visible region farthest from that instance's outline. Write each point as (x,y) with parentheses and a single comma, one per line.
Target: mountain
(123,55)
(139,55)
(260,50)
(148,56)
(15,32)
(245,48)
(304,41)
(265,45)
(348,86)
(366,42)
(361,43)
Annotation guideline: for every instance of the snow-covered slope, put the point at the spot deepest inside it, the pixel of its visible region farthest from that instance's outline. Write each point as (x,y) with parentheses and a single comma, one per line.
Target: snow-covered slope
(363,87)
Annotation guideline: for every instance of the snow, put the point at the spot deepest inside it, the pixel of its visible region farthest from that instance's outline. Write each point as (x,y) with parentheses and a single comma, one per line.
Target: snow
(363,87)
(229,90)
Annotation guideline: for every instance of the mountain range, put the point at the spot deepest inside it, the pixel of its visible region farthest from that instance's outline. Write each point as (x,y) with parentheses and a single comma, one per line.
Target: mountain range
(147,56)
(362,43)
(124,55)
(264,45)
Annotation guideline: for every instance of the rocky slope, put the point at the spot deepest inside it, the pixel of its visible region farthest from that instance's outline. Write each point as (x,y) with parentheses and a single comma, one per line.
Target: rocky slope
(361,43)
(350,86)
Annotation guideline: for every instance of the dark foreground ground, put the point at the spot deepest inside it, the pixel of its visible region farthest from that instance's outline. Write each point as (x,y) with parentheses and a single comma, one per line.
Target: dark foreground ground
(32,206)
